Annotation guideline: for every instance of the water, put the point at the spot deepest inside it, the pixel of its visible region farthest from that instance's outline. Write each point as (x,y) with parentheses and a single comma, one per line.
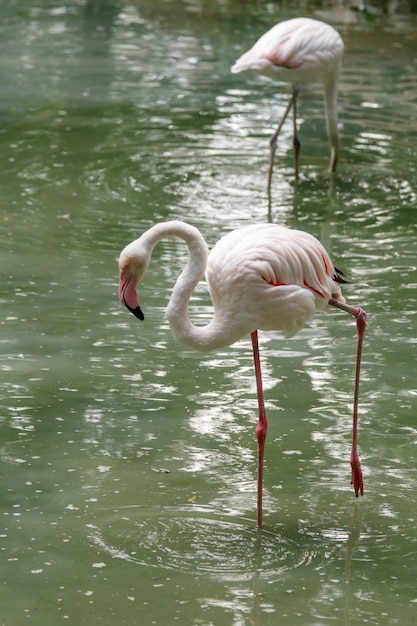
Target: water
(128,462)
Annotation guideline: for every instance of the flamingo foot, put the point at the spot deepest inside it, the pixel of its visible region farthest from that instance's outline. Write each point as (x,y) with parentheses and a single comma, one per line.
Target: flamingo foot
(356,479)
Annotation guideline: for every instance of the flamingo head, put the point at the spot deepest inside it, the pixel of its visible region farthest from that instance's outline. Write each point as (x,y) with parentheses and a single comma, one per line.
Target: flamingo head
(132,267)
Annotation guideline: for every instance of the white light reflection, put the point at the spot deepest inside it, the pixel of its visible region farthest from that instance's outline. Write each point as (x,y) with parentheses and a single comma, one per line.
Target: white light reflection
(374,142)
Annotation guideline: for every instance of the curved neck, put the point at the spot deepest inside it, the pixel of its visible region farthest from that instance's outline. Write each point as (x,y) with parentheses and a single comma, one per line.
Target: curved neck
(203,338)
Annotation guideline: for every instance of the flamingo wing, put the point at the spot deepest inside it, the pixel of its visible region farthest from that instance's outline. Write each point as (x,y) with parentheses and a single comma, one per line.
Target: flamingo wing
(269,277)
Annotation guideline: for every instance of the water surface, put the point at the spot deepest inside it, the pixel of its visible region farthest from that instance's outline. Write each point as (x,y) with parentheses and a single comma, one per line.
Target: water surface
(127,461)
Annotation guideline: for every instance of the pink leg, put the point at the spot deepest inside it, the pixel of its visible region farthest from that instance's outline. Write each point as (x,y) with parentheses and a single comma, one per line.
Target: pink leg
(357,480)
(360,316)
(262,426)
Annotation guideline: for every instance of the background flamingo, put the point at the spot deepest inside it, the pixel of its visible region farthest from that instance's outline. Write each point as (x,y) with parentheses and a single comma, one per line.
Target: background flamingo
(298,51)
(262,276)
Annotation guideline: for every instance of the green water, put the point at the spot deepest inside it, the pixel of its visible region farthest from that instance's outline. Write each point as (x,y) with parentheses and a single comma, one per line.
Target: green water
(128,462)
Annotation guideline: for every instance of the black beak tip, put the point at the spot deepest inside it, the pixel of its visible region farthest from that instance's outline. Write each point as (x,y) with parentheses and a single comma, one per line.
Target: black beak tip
(137,312)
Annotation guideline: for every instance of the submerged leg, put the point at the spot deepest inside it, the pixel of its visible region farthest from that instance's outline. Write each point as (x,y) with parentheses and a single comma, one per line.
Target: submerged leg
(360,316)
(262,426)
(273,141)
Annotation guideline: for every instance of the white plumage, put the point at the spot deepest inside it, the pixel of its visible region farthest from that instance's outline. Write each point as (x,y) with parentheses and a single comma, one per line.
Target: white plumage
(262,276)
(298,51)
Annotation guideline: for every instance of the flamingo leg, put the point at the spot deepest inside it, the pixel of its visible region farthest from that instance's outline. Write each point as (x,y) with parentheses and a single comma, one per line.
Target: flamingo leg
(273,141)
(295,140)
(357,479)
(262,426)
(360,316)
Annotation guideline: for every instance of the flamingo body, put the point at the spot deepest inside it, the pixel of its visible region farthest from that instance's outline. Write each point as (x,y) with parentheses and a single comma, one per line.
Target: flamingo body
(299,51)
(262,276)
(269,277)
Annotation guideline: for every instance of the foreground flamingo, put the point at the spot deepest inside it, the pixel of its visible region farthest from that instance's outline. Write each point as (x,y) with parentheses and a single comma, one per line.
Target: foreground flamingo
(260,277)
(299,51)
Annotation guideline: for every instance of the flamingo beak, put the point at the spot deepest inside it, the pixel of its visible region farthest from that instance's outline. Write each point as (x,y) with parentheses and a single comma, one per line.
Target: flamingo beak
(128,296)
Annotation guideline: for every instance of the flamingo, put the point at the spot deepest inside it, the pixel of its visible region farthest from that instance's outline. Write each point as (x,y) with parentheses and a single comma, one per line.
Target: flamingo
(260,277)
(299,51)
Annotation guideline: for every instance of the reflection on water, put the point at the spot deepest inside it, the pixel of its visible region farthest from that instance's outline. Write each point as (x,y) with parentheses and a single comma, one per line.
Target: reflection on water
(115,117)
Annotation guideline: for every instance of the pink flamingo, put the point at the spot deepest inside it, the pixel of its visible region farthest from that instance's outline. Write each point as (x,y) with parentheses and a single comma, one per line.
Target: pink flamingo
(299,51)
(260,277)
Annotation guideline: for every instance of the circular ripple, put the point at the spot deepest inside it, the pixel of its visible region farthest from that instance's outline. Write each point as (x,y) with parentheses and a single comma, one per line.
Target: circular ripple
(198,541)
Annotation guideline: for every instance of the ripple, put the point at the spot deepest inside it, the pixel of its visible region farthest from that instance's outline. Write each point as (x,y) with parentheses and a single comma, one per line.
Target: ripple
(198,541)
